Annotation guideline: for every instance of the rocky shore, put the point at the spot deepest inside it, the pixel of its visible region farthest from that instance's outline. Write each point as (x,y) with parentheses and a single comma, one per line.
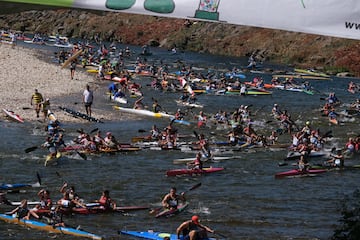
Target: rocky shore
(332,55)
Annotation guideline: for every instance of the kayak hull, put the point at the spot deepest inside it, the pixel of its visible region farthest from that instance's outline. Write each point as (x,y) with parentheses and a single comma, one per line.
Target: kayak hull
(299,173)
(49,228)
(154,235)
(178,172)
(171,212)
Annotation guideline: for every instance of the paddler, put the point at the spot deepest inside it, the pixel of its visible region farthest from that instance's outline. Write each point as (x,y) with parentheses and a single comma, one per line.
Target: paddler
(197,163)
(193,230)
(36,100)
(337,160)
(171,200)
(106,202)
(23,212)
(156,106)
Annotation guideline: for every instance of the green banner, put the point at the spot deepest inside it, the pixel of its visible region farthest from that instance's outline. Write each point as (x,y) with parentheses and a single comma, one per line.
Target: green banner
(60,3)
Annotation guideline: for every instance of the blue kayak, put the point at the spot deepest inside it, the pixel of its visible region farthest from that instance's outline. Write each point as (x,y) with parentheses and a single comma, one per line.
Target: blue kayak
(49,228)
(155,235)
(19,186)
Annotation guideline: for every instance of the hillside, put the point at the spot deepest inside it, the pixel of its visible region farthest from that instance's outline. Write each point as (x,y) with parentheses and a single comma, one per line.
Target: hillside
(329,54)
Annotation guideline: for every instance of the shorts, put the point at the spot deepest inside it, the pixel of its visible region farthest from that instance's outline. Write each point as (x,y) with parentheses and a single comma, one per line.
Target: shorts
(88,104)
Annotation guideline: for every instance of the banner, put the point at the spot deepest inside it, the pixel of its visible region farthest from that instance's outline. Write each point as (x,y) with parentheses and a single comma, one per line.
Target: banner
(324,17)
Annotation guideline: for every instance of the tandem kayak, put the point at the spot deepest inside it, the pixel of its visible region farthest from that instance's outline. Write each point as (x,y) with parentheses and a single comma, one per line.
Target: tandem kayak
(155,235)
(185,171)
(299,173)
(47,227)
(13,115)
(94,208)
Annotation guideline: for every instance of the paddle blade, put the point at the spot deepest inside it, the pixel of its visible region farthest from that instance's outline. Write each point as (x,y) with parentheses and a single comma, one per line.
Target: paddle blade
(82,155)
(38,178)
(94,130)
(30,149)
(195,186)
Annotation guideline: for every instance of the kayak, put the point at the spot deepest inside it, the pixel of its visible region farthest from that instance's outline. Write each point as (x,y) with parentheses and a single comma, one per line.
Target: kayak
(73,57)
(17,186)
(94,208)
(47,227)
(170,212)
(13,115)
(155,235)
(122,100)
(185,171)
(235,75)
(296,155)
(144,112)
(299,173)
(187,160)
(80,115)
(294,89)
(51,158)
(333,121)
(190,105)
(311,72)
(248,92)
(301,77)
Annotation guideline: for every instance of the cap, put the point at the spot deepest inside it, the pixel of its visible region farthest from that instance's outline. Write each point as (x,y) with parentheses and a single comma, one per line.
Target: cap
(195,219)
(52,208)
(307,123)
(48,99)
(108,133)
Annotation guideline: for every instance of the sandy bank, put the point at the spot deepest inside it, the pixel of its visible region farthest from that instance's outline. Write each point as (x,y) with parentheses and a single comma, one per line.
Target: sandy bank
(23,70)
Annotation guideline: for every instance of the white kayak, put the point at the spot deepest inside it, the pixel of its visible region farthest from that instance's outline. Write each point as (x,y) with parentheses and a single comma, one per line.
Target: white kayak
(187,160)
(187,104)
(144,112)
(122,100)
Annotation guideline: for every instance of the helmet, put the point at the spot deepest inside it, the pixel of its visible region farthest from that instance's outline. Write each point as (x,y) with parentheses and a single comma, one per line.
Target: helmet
(307,123)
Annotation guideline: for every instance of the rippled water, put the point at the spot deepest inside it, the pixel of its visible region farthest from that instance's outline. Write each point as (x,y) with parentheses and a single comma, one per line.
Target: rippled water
(243,202)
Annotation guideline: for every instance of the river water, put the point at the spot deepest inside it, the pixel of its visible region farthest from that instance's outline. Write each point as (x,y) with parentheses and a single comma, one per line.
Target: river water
(244,201)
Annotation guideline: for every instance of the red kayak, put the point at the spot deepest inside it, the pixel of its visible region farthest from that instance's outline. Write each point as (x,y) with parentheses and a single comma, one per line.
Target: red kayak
(94,208)
(299,173)
(185,171)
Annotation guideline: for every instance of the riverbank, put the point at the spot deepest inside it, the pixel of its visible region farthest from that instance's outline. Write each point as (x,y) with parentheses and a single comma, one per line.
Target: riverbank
(24,70)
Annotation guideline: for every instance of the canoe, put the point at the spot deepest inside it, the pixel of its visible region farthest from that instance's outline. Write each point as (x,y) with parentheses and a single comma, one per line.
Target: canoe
(80,115)
(13,115)
(155,235)
(299,173)
(144,112)
(46,227)
(185,171)
(170,212)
